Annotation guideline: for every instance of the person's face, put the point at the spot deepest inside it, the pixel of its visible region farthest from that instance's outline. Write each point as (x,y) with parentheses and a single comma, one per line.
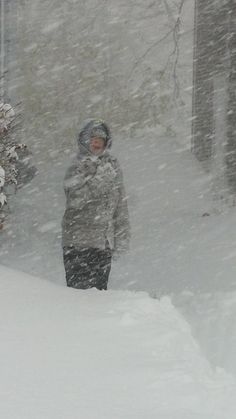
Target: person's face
(97,145)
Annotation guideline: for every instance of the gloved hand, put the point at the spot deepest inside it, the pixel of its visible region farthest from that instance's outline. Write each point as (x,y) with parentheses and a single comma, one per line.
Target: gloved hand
(103,180)
(88,166)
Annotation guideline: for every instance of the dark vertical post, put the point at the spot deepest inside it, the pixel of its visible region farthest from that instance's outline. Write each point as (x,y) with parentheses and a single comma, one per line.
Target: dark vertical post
(231,108)
(5,35)
(202,107)
(2,49)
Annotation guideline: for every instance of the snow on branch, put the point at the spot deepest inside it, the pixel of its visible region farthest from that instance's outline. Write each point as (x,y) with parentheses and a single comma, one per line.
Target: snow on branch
(15,168)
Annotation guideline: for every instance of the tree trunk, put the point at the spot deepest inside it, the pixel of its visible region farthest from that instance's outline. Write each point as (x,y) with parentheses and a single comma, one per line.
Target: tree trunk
(202,125)
(231,108)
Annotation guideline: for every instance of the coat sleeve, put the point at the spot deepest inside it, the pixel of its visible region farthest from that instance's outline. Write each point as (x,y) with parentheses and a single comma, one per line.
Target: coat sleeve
(76,188)
(121,221)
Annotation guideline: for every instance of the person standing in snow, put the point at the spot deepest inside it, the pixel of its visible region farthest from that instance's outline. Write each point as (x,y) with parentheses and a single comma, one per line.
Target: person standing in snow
(95,225)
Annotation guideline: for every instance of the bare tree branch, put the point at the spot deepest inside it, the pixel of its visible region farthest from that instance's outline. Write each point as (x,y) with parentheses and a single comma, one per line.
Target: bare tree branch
(175,52)
(176,36)
(168,11)
(140,59)
(175,31)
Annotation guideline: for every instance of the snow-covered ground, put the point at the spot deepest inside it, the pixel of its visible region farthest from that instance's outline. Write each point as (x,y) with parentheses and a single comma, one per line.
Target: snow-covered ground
(144,362)
(181,238)
(120,354)
(95,355)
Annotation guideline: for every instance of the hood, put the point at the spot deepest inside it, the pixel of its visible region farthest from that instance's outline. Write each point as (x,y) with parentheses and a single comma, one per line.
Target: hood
(90,126)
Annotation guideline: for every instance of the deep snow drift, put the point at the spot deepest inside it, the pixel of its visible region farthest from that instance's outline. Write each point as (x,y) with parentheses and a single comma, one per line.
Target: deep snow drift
(182,239)
(87,354)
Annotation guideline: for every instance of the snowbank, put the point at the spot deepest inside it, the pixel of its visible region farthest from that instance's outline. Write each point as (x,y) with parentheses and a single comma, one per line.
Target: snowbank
(212,318)
(96,355)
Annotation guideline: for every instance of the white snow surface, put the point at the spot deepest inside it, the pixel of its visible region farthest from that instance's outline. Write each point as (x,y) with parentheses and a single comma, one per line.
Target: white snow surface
(183,243)
(181,237)
(69,353)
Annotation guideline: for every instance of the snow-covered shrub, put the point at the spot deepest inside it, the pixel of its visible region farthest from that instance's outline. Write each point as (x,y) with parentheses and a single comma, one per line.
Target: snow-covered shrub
(15,167)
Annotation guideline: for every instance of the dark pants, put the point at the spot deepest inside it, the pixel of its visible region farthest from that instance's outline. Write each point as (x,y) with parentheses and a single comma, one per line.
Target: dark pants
(87,268)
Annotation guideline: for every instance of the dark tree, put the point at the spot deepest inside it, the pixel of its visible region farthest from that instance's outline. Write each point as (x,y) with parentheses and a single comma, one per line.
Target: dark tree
(214,58)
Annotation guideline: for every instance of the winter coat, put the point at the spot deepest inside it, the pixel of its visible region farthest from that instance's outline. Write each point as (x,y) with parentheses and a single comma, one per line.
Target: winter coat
(96,205)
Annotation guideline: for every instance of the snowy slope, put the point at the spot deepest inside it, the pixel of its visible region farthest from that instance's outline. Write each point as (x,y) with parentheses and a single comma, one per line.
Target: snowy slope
(174,247)
(95,355)
(182,234)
